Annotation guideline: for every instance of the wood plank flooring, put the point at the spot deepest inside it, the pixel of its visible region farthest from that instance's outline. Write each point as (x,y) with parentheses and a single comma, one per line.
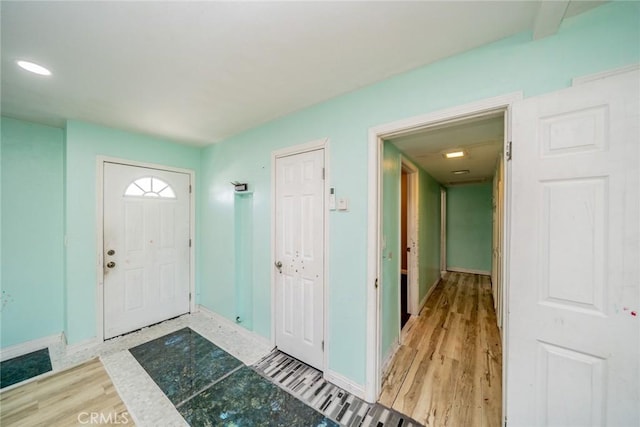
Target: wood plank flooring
(68,398)
(448,370)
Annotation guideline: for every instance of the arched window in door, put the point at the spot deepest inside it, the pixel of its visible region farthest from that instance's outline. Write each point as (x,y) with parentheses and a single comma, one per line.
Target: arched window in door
(150,186)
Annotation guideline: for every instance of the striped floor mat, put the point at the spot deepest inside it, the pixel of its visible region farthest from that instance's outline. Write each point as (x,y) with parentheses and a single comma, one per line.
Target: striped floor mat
(307,384)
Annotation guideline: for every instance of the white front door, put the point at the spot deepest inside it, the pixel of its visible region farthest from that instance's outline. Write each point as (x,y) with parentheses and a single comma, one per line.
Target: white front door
(573,332)
(146,247)
(299,269)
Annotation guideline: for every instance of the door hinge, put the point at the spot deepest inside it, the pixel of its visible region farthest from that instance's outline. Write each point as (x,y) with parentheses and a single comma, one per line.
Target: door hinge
(189,242)
(376,284)
(509,152)
(189,188)
(323,173)
(322,345)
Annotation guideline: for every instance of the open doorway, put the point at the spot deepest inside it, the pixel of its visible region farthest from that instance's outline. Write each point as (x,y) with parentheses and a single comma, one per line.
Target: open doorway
(405,248)
(549,274)
(433,370)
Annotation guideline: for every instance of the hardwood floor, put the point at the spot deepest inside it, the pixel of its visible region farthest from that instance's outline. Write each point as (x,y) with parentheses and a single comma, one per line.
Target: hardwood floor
(448,370)
(75,396)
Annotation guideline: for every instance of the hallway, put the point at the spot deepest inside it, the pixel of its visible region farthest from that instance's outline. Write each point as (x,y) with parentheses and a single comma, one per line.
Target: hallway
(448,369)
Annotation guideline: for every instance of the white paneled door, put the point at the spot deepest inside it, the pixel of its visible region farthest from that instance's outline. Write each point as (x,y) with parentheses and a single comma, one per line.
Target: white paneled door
(146,246)
(574,332)
(299,256)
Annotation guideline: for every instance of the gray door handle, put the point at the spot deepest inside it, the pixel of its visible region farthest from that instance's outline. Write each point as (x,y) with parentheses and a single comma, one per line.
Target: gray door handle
(278,265)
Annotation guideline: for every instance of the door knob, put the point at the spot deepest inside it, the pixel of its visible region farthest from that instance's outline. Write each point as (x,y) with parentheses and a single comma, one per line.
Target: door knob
(111,264)
(278,265)
(111,252)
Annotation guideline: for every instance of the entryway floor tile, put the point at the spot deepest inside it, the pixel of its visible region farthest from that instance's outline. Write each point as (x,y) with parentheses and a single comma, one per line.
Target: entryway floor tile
(244,398)
(183,363)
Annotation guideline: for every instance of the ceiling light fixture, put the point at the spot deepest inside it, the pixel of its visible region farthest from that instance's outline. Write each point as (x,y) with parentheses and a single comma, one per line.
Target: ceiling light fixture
(34,68)
(460,172)
(454,154)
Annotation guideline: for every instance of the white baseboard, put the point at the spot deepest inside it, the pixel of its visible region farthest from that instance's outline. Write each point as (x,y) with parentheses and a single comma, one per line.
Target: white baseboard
(469,270)
(82,346)
(30,346)
(232,325)
(344,383)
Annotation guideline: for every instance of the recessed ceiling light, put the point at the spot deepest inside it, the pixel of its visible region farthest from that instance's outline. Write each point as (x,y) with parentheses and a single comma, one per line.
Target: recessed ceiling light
(454,154)
(460,172)
(34,68)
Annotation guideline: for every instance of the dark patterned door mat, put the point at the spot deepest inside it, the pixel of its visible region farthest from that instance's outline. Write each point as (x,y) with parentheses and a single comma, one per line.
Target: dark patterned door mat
(23,367)
(209,387)
(307,384)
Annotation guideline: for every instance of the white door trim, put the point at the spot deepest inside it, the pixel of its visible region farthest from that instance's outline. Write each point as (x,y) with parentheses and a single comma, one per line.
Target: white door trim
(319,144)
(413,271)
(100,161)
(443,231)
(604,74)
(376,135)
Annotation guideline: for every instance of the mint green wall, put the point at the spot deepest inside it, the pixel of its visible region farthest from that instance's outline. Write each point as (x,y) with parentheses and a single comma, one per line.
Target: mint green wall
(84,142)
(603,38)
(429,223)
(243,258)
(390,257)
(470,226)
(32,239)
(428,242)
(247,158)
(223,278)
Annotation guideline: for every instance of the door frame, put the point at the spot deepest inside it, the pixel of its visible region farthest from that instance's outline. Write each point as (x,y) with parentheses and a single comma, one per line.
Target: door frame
(413,304)
(373,368)
(100,163)
(319,144)
(443,231)
(499,229)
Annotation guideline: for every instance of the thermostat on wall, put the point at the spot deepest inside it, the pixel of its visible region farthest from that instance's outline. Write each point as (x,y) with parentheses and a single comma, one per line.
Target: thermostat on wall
(332,199)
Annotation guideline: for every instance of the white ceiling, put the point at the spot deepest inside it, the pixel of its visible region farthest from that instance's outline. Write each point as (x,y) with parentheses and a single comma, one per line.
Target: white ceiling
(481,139)
(198,72)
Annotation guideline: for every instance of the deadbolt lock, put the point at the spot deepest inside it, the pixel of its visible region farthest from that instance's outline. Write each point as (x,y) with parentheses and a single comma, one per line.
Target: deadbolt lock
(111,264)
(111,252)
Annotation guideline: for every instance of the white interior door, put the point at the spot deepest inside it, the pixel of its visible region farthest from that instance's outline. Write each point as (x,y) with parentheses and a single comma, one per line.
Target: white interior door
(146,247)
(299,270)
(500,260)
(573,335)
(495,240)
